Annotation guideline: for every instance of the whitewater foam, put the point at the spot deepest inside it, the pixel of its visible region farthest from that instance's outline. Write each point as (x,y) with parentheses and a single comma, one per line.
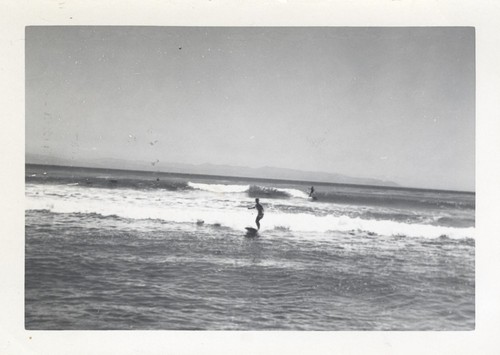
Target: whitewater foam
(295,193)
(219,188)
(222,188)
(240,218)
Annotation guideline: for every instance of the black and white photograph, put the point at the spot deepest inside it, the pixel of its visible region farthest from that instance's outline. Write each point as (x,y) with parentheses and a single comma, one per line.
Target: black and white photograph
(250,178)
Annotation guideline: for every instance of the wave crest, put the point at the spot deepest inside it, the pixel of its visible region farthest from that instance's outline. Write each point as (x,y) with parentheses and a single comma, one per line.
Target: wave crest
(238,219)
(219,188)
(266,192)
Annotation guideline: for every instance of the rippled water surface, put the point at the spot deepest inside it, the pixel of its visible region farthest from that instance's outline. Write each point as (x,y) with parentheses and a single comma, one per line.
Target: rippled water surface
(87,271)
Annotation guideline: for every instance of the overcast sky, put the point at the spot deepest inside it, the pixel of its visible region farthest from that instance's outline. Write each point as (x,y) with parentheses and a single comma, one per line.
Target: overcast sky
(388,103)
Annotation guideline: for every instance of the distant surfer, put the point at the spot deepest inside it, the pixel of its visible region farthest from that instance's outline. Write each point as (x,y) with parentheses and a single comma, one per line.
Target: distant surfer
(312,194)
(260,212)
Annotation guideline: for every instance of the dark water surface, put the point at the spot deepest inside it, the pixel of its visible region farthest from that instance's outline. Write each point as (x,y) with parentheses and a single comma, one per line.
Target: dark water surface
(86,271)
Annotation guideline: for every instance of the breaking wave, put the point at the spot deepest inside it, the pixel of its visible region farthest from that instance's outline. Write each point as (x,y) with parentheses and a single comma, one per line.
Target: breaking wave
(252,191)
(239,218)
(219,188)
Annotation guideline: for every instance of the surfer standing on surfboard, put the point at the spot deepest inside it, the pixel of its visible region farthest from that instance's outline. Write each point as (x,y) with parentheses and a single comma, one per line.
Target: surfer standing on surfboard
(260,212)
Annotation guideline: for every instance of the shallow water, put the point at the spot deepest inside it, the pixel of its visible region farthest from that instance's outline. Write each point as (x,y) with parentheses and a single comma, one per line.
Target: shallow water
(84,272)
(128,257)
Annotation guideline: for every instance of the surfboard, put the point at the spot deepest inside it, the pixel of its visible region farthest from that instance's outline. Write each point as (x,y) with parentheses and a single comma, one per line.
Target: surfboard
(251,232)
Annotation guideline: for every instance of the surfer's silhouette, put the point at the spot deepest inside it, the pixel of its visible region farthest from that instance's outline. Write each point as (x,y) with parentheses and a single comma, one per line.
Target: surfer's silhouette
(260,212)
(312,194)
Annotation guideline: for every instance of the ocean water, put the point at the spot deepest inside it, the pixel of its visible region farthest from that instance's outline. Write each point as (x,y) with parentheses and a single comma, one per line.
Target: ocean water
(136,250)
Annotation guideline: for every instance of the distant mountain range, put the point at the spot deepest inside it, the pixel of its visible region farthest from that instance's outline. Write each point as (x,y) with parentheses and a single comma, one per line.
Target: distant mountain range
(210,169)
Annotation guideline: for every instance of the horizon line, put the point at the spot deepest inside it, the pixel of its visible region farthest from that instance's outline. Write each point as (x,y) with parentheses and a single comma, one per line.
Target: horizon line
(398,187)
